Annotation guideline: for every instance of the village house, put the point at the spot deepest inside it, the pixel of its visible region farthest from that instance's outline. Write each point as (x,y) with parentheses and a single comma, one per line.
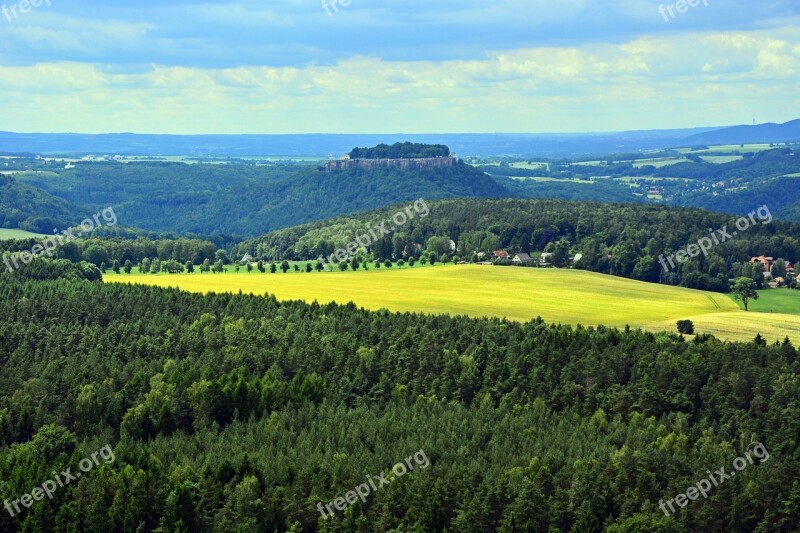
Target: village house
(500,254)
(766,262)
(521,259)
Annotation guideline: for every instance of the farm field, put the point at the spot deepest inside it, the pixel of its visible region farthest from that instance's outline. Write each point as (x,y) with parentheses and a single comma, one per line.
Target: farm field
(7,234)
(521,294)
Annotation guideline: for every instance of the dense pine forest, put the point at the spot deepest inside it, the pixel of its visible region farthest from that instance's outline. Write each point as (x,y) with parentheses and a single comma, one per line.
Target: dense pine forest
(240,413)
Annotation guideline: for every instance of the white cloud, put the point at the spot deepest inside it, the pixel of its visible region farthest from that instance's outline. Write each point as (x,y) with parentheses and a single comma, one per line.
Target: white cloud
(669,81)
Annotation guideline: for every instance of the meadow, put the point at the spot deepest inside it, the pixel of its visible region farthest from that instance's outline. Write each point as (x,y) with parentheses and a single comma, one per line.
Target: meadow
(8,234)
(519,294)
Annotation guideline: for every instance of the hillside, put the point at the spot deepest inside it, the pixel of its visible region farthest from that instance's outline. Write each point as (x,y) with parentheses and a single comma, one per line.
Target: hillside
(759,133)
(620,239)
(247,199)
(31,209)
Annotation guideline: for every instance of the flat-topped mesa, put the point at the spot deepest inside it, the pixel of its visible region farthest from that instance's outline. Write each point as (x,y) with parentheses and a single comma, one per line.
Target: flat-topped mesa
(403,164)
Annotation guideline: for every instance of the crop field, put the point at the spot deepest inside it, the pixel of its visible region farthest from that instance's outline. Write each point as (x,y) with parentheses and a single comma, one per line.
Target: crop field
(7,234)
(659,162)
(521,294)
(719,159)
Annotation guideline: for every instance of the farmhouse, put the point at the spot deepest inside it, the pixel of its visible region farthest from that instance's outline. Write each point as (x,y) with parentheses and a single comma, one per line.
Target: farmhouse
(763,260)
(521,259)
(500,254)
(546,260)
(246,259)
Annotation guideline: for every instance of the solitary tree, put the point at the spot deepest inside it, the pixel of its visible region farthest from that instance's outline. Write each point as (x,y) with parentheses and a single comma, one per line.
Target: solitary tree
(320,267)
(686,327)
(261,267)
(128,266)
(249,266)
(744,290)
(206,266)
(309,268)
(273,268)
(115,266)
(189,267)
(285,266)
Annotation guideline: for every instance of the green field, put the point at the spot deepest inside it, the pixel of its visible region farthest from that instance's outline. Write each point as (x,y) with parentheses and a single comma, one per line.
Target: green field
(521,294)
(720,159)
(6,234)
(776,301)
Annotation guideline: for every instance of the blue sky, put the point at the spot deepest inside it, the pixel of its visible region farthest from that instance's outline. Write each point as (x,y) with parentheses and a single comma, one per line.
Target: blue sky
(382,66)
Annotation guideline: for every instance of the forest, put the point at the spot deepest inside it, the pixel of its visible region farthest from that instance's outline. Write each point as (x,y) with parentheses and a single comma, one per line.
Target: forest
(620,239)
(239,413)
(405,150)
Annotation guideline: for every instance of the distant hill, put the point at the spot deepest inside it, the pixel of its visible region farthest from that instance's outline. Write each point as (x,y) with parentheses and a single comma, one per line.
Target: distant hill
(249,200)
(325,145)
(760,133)
(34,210)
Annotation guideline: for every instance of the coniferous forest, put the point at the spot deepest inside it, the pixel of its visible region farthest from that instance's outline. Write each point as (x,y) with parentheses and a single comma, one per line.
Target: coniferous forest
(240,413)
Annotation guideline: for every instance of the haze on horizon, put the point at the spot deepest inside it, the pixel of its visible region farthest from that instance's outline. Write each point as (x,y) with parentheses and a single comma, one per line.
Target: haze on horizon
(377,66)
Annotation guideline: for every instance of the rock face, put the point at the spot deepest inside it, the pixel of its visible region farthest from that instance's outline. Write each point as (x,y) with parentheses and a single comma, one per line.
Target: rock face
(422,163)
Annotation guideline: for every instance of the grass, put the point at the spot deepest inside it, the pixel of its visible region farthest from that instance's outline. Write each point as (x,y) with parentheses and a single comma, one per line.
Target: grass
(520,294)
(7,234)
(720,159)
(659,162)
(775,301)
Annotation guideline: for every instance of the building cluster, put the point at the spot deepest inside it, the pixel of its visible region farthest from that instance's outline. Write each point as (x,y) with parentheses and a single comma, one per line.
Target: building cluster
(767,263)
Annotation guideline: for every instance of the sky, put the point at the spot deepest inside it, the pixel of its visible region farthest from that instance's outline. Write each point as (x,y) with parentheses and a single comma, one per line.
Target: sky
(396,66)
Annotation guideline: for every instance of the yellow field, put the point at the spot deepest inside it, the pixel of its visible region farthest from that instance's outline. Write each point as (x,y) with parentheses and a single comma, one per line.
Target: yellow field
(565,296)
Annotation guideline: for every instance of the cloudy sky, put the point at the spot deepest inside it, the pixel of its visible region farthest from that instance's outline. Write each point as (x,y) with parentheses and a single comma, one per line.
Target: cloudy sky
(384,66)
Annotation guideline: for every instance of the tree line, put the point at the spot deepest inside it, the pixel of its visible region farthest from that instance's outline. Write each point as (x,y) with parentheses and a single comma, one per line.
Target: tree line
(619,239)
